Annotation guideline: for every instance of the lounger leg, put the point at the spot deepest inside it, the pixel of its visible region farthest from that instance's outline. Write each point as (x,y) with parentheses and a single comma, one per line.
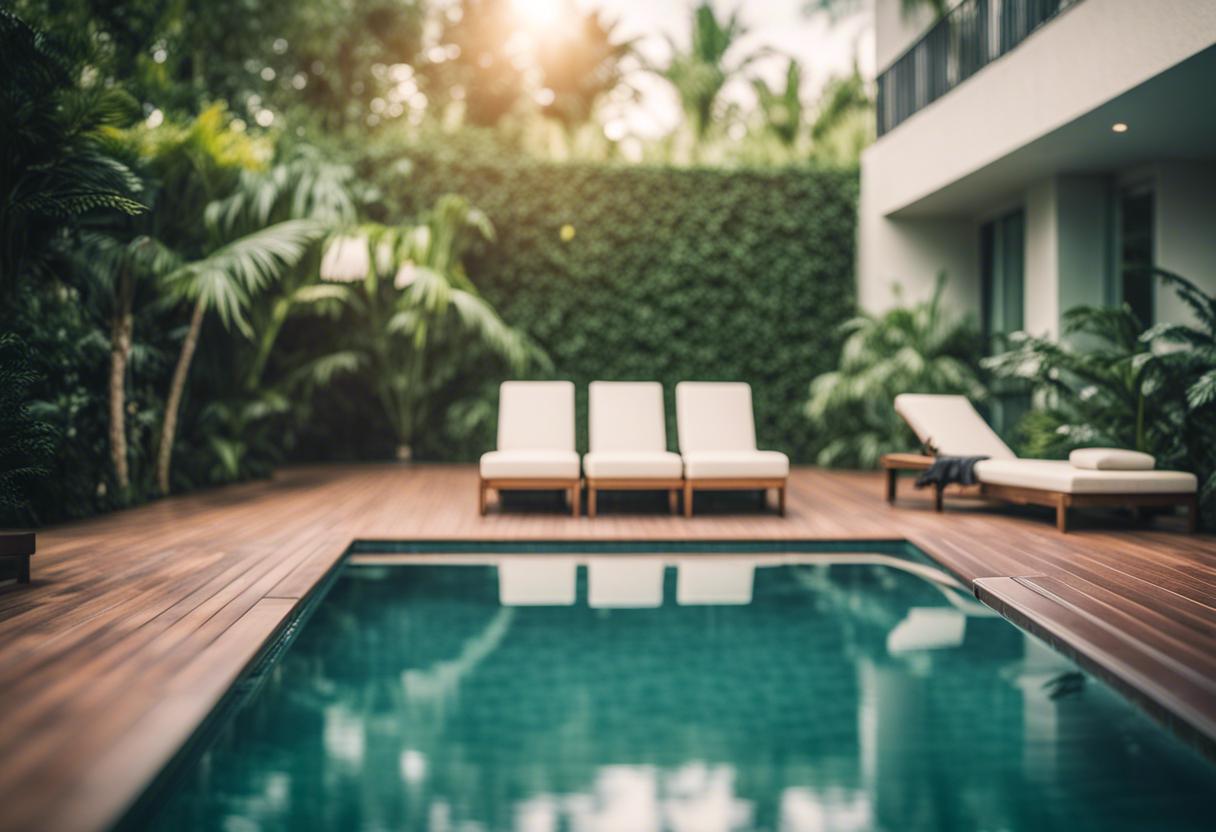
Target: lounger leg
(482,496)
(688,498)
(590,499)
(937,497)
(574,495)
(23,566)
(673,500)
(781,501)
(1062,516)
(892,476)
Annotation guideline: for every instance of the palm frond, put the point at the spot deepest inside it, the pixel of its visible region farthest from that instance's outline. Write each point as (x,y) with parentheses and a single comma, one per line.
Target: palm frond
(224,279)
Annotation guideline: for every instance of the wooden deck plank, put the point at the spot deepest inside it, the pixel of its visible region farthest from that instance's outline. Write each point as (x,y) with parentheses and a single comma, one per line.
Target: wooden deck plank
(137,622)
(1165,691)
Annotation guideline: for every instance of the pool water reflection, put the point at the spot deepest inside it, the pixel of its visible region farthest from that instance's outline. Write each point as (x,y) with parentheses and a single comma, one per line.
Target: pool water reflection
(690,695)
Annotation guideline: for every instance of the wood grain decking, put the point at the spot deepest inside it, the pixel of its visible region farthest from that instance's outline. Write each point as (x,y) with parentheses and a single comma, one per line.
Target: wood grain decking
(135,624)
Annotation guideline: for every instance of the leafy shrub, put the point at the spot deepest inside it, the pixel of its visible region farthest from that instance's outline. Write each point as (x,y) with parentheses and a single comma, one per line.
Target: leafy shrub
(918,349)
(658,274)
(25,442)
(1152,391)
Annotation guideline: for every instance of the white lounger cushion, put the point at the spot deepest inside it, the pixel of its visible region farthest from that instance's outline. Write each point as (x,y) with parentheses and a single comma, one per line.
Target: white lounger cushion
(1060,475)
(715,416)
(536,416)
(1111,459)
(714,465)
(626,416)
(628,465)
(952,424)
(718,433)
(529,465)
(628,433)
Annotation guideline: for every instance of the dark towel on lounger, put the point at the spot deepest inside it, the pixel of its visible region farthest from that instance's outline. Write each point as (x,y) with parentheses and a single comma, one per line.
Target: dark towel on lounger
(949,469)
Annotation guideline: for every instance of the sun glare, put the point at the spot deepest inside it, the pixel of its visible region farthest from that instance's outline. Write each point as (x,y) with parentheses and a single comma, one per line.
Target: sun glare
(539,13)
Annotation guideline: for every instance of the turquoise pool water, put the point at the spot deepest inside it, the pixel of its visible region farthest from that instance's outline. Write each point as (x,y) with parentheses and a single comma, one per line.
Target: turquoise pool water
(691,695)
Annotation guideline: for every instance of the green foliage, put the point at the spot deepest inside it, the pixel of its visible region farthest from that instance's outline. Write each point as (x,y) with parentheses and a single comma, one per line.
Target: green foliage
(25,442)
(782,109)
(421,322)
(701,72)
(1116,386)
(52,165)
(1095,387)
(581,64)
(669,275)
(917,349)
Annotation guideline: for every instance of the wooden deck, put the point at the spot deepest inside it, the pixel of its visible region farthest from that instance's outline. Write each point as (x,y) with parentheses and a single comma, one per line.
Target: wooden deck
(136,623)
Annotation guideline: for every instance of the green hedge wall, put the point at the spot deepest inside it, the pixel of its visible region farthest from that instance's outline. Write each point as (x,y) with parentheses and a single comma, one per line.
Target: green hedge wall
(671,274)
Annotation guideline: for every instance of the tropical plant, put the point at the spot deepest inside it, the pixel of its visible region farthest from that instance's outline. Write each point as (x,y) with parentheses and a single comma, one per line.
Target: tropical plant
(782,109)
(700,73)
(224,281)
(419,319)
(917,349)
(1185,356)
(580,65)
(844,119)
(249,422)
(25,442)
(1095,387)
(117,267)
(53,162)
(483,66)
(1110,383)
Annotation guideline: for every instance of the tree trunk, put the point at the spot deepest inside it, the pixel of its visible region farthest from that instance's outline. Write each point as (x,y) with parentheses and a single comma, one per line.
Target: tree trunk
(120,352)
(175,398)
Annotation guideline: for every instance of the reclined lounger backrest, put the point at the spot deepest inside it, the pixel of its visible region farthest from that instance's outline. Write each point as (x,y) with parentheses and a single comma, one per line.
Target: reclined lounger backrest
(952,424)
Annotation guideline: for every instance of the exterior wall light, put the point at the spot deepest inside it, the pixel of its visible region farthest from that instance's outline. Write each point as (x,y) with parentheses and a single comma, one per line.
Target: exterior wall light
(1119,128)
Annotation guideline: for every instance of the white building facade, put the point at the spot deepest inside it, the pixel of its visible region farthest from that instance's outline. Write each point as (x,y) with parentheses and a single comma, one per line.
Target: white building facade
(1032,149)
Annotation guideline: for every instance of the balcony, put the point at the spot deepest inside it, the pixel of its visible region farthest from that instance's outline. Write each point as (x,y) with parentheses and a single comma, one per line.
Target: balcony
(964,41)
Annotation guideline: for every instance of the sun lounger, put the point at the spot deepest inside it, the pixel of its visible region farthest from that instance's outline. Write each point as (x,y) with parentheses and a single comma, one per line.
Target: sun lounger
(628,440)
(535,441)
(718,441)
(953,426)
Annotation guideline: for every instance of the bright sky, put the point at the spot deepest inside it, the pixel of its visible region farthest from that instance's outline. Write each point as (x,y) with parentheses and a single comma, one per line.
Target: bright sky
(822,47)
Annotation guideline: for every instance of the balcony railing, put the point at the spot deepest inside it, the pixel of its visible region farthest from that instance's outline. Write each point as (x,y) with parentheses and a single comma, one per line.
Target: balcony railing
(968,38)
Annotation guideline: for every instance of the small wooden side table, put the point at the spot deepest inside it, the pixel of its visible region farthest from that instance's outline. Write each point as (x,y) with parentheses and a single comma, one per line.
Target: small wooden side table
(16,548)
(894,463)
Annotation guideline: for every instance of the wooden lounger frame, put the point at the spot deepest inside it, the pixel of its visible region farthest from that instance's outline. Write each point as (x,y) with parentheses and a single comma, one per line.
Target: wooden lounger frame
(1061,501)
(16,548)
(671,485)
(734,484)
(574,486)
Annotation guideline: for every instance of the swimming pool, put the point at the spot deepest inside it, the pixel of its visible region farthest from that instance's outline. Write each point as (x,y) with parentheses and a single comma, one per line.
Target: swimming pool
(677,692)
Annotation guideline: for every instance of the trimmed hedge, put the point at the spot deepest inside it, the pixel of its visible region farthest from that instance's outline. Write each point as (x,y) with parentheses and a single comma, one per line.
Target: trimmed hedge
(671,274)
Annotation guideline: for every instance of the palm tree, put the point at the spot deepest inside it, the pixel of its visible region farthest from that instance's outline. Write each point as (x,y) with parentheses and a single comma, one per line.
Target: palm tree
(305,186)
(844,119)
(782,109)
(224,281)
(700,73)
(421,319)
(918,349)
(117,266)
(580,68)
